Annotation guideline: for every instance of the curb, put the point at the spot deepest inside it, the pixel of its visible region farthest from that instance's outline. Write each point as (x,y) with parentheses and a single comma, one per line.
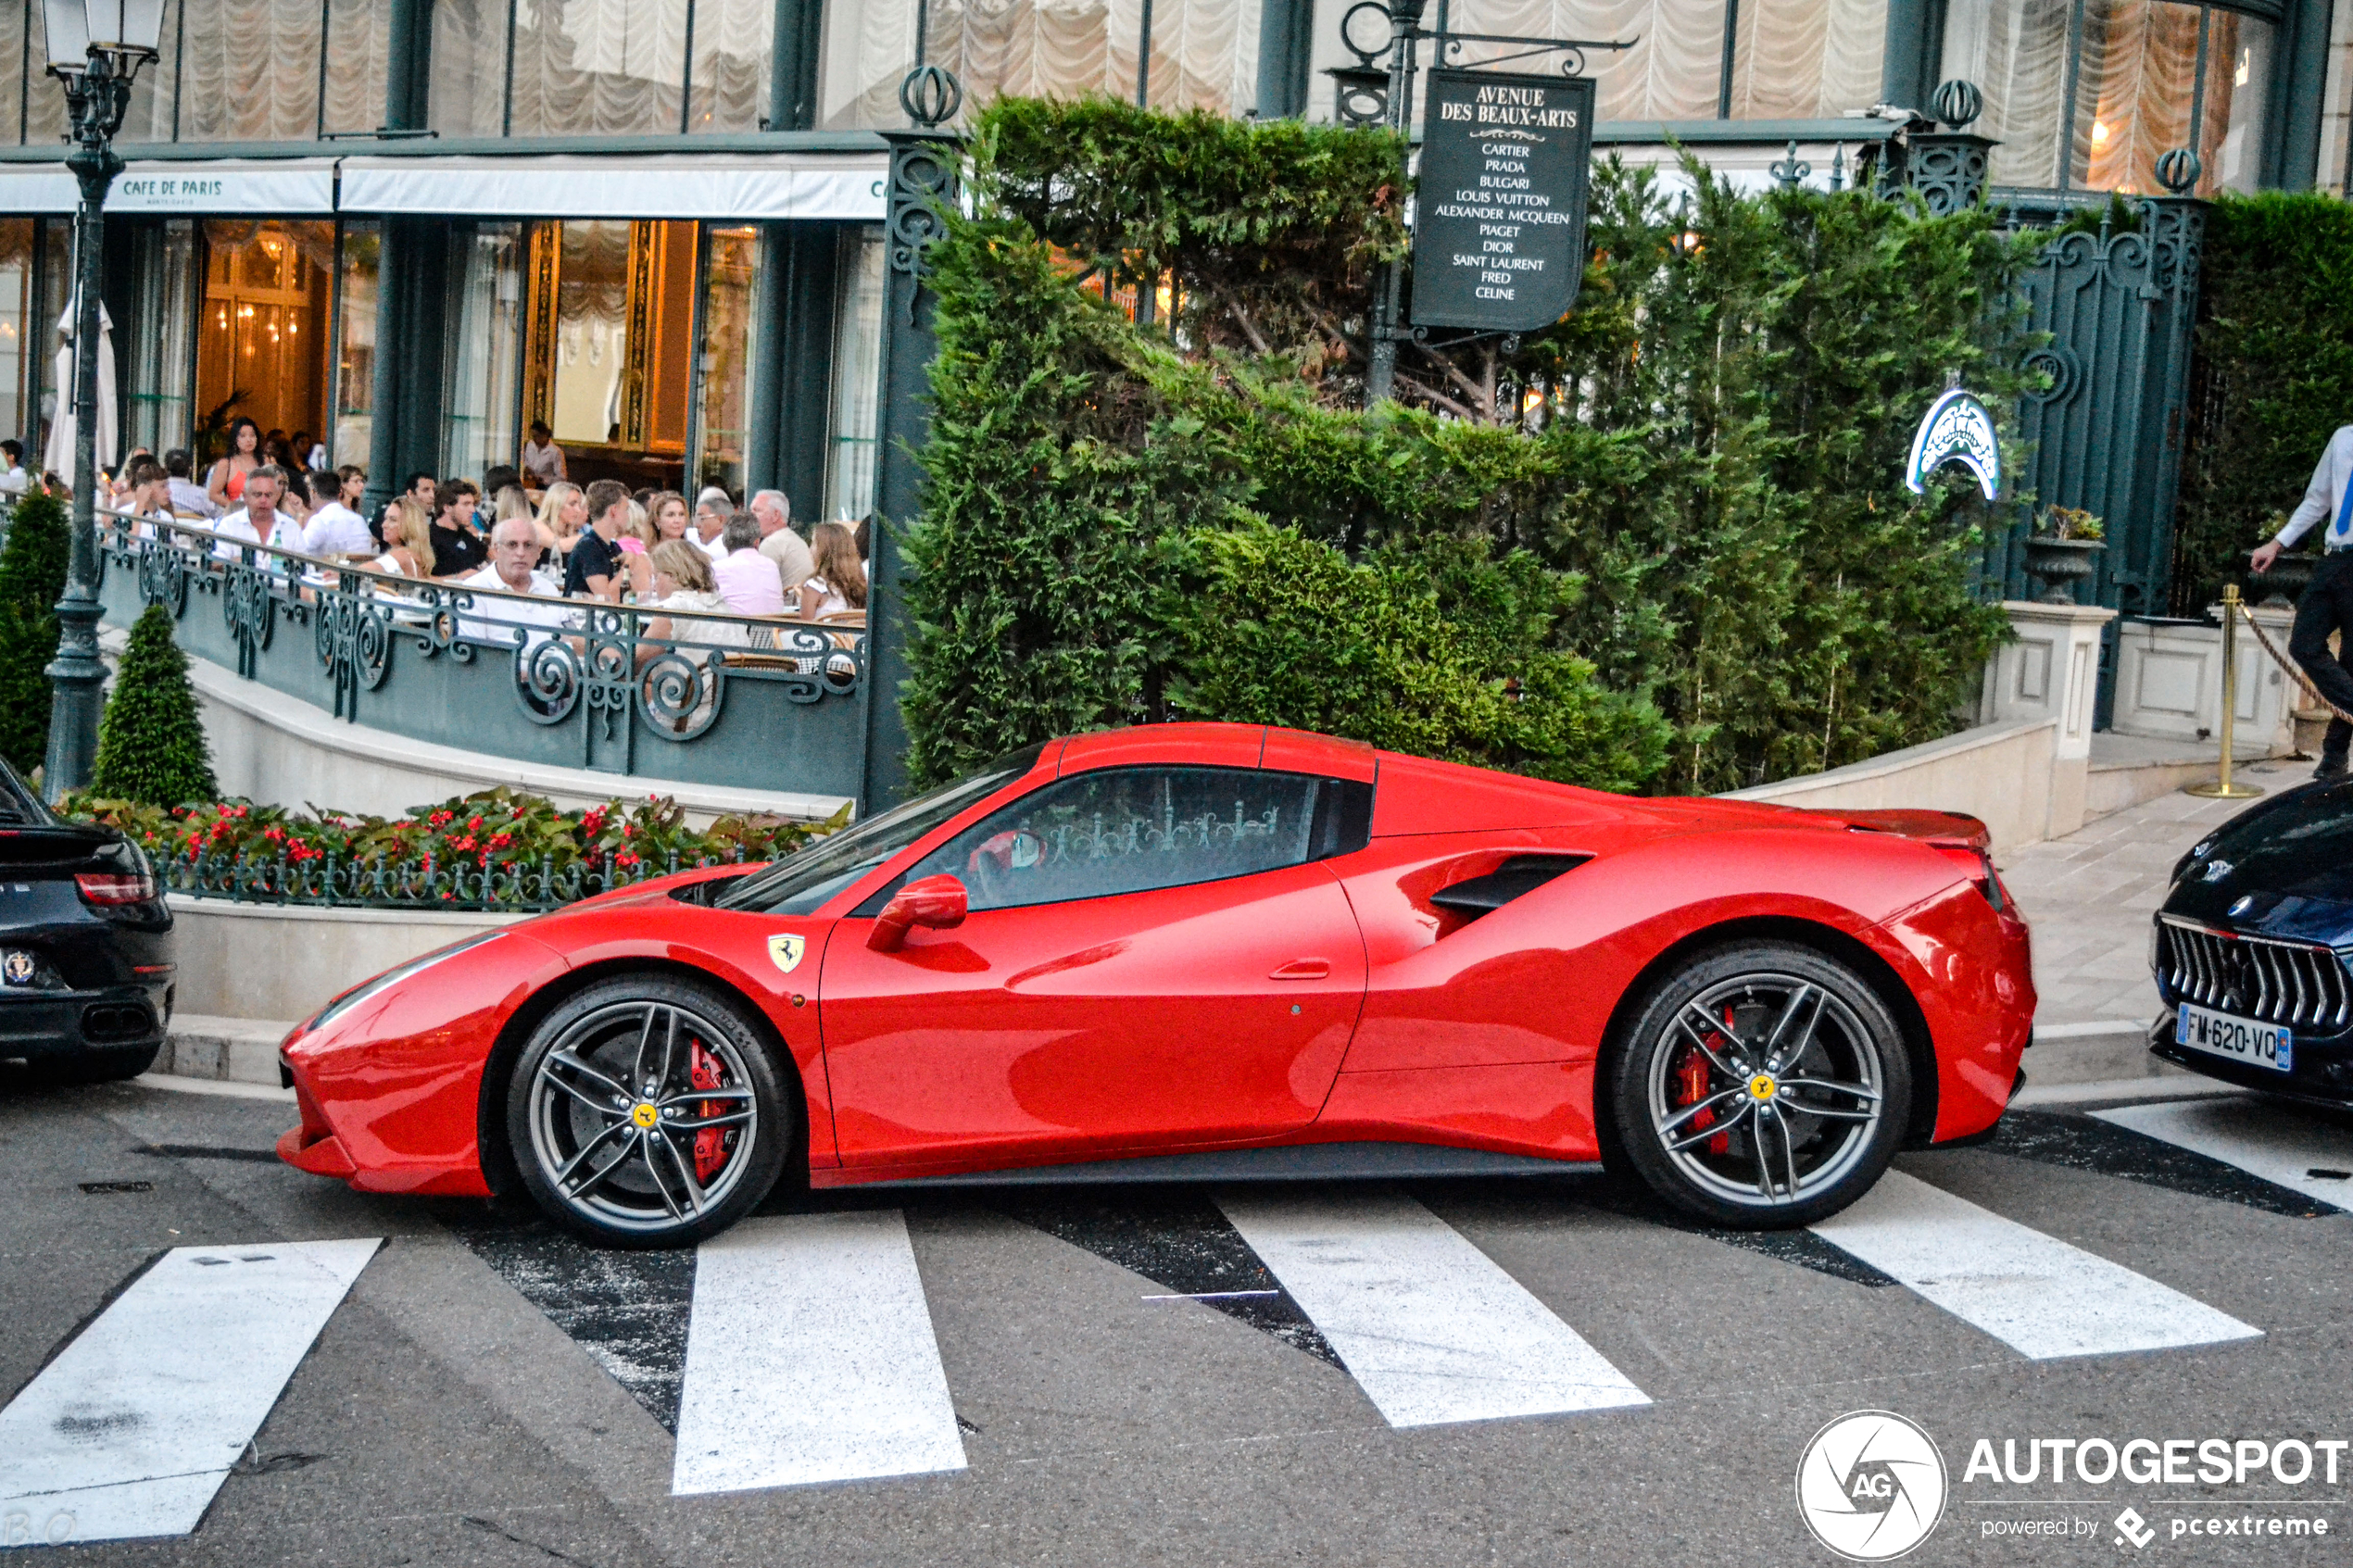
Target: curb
(232,1050)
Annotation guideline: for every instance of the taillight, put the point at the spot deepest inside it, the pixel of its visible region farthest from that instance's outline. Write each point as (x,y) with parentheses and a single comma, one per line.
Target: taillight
(1981,870)
(116,887)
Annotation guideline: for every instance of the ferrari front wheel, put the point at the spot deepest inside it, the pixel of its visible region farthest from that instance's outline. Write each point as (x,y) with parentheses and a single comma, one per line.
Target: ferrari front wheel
(1762,1087)
(646,1112)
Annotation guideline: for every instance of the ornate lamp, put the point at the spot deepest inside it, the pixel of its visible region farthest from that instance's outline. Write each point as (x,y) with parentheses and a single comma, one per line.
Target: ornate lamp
(96,47)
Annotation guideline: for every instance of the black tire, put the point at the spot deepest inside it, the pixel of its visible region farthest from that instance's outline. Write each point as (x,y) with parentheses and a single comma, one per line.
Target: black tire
(96,1064)
(662,1189)
(1761,1139)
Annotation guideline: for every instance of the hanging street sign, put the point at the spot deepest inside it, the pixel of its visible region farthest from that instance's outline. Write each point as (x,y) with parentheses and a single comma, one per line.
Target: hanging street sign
(1499,229)
(1956,429)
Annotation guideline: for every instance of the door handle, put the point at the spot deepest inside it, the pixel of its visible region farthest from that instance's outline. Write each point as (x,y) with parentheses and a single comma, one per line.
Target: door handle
(1303,969)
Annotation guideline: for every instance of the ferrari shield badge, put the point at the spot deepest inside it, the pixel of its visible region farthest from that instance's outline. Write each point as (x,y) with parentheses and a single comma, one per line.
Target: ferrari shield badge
(787,951)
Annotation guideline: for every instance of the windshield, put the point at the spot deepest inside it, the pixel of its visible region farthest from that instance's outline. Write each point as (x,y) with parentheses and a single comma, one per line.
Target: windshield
(802,881)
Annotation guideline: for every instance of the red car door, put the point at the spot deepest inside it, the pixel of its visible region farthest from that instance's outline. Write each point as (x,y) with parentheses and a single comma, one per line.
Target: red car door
(1154,959)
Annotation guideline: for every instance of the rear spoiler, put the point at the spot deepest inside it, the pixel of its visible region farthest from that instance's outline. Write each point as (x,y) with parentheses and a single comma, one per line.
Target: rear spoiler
(1942,830)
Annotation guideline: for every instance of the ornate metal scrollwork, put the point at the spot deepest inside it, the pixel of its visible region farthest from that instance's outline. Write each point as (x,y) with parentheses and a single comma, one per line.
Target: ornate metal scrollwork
(547,681)
(163,578)
(1948,172)
(923,180)
(2059,362)
(354,640)
(680,692)
(251,608)
(2179,171)
(1791,171)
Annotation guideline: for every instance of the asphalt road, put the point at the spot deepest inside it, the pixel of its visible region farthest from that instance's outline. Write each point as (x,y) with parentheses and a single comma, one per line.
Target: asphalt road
(488,1392)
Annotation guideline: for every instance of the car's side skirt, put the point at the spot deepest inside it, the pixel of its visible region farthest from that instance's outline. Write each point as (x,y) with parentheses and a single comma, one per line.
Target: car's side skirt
(1294,1162)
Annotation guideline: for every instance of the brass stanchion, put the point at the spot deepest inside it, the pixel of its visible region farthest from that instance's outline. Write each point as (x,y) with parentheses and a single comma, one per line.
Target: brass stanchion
(2222,788)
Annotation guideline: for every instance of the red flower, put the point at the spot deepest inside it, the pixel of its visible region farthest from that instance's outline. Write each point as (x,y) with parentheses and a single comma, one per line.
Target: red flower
(473,824)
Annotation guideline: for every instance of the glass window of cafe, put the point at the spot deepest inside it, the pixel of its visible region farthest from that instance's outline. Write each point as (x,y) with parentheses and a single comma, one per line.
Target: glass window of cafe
(600,68)
(2148,76)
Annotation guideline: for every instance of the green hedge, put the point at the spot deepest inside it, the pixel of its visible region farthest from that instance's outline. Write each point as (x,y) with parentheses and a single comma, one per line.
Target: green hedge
(2274,378)
(1701,572)
(33,578)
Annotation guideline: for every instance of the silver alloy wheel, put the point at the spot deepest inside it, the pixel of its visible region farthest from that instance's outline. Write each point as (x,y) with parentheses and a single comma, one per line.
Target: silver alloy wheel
(1765,1089)
(615,1116)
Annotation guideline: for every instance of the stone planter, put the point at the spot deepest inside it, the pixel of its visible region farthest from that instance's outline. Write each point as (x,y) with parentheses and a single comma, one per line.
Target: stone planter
(2287,579)
(2062,563)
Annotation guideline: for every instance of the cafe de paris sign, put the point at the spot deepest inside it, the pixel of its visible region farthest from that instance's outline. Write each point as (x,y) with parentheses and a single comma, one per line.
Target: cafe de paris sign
(1498,239)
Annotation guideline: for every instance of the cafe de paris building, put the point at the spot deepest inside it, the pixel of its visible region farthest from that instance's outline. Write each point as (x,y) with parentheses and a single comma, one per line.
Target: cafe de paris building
(414,227)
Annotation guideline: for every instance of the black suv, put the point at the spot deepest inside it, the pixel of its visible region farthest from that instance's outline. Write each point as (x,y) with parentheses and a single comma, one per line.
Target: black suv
(85,945)
(2251,946)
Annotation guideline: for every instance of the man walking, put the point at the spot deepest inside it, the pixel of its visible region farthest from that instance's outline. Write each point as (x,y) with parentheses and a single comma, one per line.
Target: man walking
(2326,605)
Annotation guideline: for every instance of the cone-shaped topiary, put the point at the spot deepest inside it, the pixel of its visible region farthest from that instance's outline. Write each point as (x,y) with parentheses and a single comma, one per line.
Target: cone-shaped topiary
(151,746)
(32,577)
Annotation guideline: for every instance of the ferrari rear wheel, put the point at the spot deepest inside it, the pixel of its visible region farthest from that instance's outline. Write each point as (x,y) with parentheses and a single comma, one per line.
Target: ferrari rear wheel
(646,1112)
(1762,1087)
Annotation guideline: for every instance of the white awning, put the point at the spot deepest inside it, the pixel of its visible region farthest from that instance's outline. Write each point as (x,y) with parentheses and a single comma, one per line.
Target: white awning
(29,188)
(225,186)
(719,187)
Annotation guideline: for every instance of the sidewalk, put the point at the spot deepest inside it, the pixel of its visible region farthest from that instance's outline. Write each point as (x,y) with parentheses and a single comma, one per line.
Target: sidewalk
(2090,897)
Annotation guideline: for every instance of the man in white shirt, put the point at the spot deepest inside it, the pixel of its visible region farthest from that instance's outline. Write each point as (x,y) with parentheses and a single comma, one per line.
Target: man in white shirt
(779,542)
(13,479)
(2326,604)
(514,545)
(258,521)
(188,498)
(543,460)
(712,509)
(334,528)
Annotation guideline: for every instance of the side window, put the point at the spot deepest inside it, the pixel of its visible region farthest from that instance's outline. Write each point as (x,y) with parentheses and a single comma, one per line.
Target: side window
(1128,830)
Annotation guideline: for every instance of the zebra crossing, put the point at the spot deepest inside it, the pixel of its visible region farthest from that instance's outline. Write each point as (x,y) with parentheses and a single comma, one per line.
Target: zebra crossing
(802,1348)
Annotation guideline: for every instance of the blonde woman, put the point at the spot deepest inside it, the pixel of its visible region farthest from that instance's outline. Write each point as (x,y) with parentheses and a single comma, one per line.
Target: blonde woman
(838,586)
(408,553)
(636,538)
(681,581)
(563,512)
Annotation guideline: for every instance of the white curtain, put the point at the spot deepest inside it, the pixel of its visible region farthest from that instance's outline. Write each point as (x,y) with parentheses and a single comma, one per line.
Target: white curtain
(1205,53)
(1672,72)
(2016,52)
(467,95)
(249,70)
(734,50)
(599,67)
(359,37)
(1808,59)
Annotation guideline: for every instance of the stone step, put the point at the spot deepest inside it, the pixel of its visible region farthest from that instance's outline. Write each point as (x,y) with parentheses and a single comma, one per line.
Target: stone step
(237,1050)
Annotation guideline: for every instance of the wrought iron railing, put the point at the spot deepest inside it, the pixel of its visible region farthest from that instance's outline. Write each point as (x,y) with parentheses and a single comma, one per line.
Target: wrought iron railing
(753,702)
(495,885)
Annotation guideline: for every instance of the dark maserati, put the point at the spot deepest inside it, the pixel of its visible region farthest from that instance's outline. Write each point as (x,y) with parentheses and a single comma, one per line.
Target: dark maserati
(85,945)
(2252,944)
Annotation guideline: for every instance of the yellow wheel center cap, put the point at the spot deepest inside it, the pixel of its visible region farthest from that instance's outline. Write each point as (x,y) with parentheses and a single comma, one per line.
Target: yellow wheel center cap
(1763,1088)
(644,1113)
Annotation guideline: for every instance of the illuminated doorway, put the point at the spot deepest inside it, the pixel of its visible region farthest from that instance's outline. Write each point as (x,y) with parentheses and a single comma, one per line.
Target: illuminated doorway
(262,351)
(609,344)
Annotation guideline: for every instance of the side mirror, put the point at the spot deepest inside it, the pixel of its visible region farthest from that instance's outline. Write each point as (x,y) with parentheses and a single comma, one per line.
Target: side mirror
(934,902)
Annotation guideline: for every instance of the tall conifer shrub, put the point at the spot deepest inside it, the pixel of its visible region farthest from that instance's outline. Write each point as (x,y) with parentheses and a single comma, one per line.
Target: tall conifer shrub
(151,744)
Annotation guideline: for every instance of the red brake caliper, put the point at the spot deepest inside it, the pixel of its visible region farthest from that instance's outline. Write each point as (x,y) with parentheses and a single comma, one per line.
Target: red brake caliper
(1690,1087)
(711,1150)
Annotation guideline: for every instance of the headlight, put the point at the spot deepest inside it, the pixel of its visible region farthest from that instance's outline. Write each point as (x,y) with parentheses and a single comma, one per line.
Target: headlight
(361,993)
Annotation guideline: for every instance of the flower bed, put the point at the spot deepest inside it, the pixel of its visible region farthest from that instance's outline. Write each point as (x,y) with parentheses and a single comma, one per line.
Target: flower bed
(498,849)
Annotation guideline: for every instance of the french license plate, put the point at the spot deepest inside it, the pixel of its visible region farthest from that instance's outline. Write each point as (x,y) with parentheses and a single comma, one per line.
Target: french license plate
(2240,1039)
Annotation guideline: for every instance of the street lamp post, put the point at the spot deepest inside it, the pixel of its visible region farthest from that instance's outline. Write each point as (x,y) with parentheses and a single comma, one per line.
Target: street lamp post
(96,47)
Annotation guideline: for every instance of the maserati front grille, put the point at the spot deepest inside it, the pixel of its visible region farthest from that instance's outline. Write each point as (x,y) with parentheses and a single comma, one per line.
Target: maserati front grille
(2297,985)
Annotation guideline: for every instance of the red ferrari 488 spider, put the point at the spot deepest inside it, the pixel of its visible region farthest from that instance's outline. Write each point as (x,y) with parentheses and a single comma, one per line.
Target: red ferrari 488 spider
(1206,952)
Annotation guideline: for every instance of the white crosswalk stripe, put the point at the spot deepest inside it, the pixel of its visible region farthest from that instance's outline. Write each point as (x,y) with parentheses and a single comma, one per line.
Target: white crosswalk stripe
(135,1426)
(2256,1137)
(2039,1295)
(1430,1328)
(811,1357)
